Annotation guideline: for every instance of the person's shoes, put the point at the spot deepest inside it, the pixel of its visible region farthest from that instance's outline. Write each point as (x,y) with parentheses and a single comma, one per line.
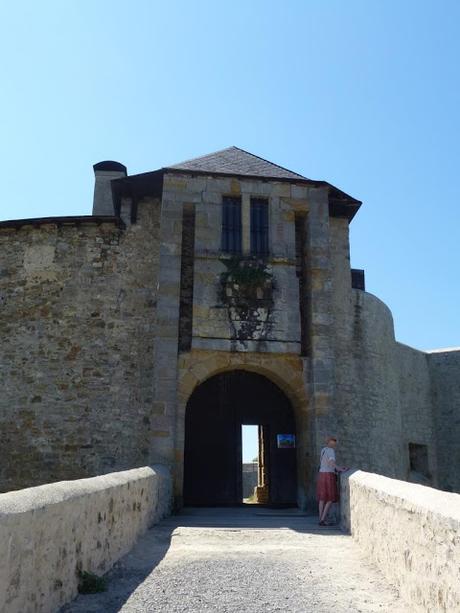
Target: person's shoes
(321,523)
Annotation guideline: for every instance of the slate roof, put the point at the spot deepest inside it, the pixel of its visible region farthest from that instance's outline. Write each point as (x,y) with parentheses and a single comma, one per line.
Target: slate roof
(236,161)
(232,161)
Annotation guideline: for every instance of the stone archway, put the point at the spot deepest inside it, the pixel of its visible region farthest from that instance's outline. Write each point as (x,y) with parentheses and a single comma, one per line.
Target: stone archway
(286,371)
(212,456)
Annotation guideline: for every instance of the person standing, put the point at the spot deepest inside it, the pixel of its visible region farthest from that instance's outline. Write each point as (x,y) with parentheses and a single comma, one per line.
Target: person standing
(326,489)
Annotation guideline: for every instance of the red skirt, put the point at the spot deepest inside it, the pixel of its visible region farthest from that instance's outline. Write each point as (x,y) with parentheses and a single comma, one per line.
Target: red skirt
(326,488)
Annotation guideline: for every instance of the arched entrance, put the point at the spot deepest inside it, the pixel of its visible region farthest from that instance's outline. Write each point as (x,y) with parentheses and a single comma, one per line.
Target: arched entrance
(215,413)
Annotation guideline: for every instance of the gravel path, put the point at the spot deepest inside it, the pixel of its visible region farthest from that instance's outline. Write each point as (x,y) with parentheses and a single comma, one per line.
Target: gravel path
(241,560)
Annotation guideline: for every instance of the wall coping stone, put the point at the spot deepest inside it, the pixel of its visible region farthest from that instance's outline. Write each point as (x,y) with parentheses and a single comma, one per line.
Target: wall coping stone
(40,496)
(411,532)
(51,532)
(411,496)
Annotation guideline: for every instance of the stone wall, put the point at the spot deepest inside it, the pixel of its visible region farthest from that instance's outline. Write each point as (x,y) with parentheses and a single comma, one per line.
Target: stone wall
(250,478)
(105,331)
(411,532)
(342,418)
(445,373)
(274,315)
(366,412)
(416,401)
(378,396)
(77,308)
(286,371)
(367,399)
(51,532)
(272,343)
(382,389)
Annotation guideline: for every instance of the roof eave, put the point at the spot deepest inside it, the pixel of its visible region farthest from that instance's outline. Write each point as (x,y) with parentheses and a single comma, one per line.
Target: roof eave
(67,220)
(151,184)
(137,187)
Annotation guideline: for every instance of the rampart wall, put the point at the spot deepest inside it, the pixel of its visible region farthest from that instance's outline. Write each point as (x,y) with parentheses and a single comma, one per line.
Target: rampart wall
(445,374)
(367,416)
(89,370)
(76,368)
(417,412)
(390,399)
(51,533)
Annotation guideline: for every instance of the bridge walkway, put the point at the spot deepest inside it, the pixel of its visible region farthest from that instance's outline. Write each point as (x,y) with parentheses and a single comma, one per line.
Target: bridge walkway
(243,559)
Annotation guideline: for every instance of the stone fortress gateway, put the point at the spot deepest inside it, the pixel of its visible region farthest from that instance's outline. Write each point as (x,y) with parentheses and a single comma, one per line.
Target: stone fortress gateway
(197,298)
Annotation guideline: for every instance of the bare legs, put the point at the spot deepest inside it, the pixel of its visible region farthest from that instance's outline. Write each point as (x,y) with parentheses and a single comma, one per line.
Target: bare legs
(324,509)
(321,509)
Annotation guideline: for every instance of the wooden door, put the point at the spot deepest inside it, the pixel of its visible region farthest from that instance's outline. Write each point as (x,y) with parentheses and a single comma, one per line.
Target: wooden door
(213,462)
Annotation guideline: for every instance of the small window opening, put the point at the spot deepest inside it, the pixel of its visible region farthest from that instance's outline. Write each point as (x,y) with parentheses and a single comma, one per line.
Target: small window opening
(418,461)
(186,278)
(231,224)
(259,226)
(301,272)
(357,279)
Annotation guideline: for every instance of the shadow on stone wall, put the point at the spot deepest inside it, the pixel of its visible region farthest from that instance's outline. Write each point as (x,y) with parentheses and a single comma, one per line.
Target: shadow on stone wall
(127,574)
(344,511)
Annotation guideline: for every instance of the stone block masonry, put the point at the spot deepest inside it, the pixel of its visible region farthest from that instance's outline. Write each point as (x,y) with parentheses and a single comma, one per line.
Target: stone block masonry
(107,325)
(411,532)
(445,371)
(77,308)
(50,532)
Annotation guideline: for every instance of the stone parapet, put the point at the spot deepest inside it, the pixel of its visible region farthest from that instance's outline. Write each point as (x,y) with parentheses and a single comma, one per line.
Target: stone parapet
(51,532)
(411,532)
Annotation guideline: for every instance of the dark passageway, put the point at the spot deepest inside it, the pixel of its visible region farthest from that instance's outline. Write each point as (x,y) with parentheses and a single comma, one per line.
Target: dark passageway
(213,448)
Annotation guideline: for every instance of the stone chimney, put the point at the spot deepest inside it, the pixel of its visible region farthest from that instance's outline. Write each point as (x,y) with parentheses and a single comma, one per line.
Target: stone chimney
(104,172)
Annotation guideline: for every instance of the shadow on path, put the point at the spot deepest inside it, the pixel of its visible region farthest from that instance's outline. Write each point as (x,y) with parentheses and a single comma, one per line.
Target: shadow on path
(132,570)
(250,517)
(127,574)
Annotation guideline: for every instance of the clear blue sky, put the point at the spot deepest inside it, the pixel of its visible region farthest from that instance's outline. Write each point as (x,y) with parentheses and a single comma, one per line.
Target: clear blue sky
(364,94)
(249,443)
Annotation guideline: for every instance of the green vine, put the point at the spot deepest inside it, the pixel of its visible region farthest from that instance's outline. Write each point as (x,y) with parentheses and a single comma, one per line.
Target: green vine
(246,289)
(245,271)
(89,583)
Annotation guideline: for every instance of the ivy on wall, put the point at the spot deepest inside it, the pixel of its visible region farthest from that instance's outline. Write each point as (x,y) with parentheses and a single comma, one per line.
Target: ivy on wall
(246,289)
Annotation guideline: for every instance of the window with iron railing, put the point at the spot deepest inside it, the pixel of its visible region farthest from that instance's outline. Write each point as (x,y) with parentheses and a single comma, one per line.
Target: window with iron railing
(259,226)
(231,224)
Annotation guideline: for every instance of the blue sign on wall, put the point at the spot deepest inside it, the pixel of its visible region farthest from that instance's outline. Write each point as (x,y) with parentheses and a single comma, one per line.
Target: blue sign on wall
(286,441)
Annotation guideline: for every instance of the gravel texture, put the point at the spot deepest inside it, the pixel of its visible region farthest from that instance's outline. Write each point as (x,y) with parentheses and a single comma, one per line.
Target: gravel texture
(237,560)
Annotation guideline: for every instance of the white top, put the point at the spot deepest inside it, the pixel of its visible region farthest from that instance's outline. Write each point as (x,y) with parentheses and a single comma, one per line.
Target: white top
(327,461)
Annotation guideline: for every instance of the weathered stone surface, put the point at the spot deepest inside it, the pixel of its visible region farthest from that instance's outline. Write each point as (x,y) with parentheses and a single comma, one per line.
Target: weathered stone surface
(249,479)
(76,351)
(251,559)
(209,266)
(445,373)
(50,532)
(367,402)
(284,369)
(418,411)
(411,532)
(92,372)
